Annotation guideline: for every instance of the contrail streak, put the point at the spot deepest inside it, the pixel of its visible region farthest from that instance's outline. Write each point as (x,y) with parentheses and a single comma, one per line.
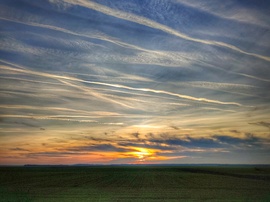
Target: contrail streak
(62,109)
(98,95)
(116,85)
(150,23)
(70,118)
(172,57)
(167,55)
(163,92)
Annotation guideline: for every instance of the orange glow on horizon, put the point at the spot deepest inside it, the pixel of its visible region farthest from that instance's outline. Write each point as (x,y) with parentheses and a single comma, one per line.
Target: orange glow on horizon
(142,153)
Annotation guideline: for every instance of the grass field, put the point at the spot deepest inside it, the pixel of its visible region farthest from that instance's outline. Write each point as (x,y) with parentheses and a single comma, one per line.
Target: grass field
(135,183)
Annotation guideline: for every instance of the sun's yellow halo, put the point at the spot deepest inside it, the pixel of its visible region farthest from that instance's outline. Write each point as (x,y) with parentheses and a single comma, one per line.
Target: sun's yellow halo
(142,153)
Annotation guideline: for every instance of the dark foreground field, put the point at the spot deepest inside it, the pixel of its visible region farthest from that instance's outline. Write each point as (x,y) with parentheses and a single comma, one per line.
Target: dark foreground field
(138,183)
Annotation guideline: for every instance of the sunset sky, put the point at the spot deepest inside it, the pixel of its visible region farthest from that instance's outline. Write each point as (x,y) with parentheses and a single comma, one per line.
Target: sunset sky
(134,82)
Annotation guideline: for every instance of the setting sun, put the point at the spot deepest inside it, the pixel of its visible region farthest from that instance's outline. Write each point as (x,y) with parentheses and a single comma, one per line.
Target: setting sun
(143,153)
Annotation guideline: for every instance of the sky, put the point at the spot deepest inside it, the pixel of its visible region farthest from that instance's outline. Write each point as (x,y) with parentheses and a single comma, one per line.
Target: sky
(134,82)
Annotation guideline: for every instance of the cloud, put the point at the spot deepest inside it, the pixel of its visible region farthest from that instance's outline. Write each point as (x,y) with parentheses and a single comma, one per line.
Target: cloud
(62,78)
(19,149)
(191,142)
(99,147)
(61,110)
(165,92)
(250,139)
(57,118)
(235,131)
(155,25)
(136,135)
(53,154)
(262,123)
(174,127)
(28,124)
(214,141)
(240,11)
(146,145)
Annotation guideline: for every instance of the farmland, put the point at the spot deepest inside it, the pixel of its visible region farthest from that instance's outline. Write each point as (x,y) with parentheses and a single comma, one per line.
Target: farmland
(135,183)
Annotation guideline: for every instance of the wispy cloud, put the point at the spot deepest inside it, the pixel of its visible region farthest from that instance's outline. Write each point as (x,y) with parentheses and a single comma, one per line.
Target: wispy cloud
(99,147)
(155,25)
(19,149)
(58,118)
(119,86)
(262,123)
(238,11)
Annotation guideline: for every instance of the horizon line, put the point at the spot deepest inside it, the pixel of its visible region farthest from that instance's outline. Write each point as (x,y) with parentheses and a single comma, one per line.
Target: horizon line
(105,165)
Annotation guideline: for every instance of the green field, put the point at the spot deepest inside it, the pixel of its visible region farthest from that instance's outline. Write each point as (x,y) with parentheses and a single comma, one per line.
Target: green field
(135,183)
